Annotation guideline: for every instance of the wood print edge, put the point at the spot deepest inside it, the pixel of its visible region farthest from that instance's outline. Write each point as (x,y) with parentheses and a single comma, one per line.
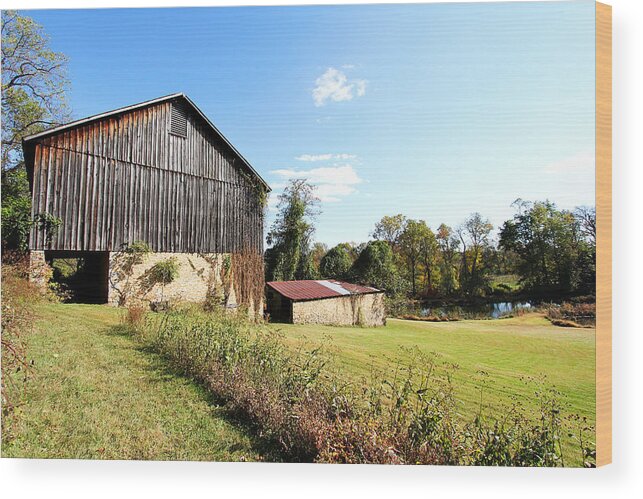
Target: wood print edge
(604,234)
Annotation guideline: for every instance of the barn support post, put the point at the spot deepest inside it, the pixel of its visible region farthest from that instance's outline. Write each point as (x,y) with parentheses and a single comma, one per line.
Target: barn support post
(39,270)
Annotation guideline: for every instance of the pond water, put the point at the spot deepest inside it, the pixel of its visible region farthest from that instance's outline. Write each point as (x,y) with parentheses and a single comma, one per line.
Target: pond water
(491,310)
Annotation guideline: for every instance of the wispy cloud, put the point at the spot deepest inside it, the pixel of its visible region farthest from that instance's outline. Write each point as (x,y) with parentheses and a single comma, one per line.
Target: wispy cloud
(325,157)
(332,183)
(273,201)
(360,86)
(324,119)
(578,164)
(335,86)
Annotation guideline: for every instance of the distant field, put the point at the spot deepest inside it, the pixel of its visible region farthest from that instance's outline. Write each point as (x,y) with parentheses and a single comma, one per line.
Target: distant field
(507,349)
(511,281)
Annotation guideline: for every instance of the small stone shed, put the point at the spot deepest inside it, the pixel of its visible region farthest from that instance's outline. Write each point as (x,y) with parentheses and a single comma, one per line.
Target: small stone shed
(325,302)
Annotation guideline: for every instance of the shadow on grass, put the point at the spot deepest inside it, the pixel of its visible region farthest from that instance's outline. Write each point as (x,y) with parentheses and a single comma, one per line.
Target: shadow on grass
(163,371)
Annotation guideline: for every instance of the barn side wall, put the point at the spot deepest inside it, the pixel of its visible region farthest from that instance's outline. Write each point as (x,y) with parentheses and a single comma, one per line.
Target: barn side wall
(364,310)
(200,277)
(127,178)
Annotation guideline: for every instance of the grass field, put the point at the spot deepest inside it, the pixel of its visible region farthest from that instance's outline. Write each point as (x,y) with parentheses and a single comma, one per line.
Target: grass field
(508,349)
(95,394)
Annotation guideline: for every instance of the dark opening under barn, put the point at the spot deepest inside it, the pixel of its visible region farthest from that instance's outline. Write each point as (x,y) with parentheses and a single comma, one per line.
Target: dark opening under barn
(81,276)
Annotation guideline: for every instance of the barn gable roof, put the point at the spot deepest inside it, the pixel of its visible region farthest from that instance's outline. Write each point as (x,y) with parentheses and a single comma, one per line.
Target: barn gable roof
(317,289)
(176,96)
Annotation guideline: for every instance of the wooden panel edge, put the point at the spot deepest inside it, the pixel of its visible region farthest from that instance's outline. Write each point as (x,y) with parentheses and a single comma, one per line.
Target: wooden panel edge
(604,234)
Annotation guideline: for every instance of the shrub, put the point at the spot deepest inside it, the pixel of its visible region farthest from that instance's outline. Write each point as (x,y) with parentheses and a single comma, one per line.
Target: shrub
(164,272)
(398,305)
(18,297)
(572,314)
(135,316)
(295,401)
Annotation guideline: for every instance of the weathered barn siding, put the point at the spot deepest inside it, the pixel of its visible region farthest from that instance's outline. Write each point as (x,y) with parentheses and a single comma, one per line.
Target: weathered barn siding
(126,177)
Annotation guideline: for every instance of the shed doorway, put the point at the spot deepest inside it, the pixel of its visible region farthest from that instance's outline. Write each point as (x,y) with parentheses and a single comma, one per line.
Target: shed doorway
(82,275)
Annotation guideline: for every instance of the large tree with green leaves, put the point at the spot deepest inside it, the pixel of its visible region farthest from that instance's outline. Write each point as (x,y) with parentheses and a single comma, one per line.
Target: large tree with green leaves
(375,266)
(550,243)
(448,244)
(291,234)
(34,85)
(317,252)
(429,260)
(337,262)
(474,234)
(417,246)
(389,229)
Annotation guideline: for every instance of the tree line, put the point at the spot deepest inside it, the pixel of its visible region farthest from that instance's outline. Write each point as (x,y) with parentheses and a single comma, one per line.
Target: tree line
(551,251)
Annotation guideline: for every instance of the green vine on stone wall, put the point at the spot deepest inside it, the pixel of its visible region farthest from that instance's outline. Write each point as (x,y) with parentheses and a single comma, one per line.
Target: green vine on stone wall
(122,268)
(260,191)
(163,273)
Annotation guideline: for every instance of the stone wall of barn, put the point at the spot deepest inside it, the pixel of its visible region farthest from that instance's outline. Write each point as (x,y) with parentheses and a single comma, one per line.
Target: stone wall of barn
(363,310)
(39,270)
(200,277)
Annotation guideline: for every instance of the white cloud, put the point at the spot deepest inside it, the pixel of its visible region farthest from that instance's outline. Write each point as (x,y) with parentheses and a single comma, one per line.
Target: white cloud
(361,87)
(314,157)
(332,183)
(324,157)
(332,193)
(577,164)
(335,86)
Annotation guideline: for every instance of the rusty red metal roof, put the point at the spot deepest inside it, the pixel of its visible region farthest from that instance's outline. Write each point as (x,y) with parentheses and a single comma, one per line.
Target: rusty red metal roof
(315,289)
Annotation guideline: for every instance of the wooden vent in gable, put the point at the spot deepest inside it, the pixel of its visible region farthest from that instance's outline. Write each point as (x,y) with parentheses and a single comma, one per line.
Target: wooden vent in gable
(179,121)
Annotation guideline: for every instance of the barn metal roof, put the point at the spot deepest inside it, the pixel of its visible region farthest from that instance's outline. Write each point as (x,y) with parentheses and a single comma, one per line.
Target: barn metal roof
(179,95)
(316,289)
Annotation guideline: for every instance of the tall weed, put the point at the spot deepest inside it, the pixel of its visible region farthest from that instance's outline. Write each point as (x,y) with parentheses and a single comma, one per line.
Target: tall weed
(18,297)
(295,401)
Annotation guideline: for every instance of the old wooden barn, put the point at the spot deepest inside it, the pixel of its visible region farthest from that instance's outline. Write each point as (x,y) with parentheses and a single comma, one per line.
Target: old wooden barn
(160,174)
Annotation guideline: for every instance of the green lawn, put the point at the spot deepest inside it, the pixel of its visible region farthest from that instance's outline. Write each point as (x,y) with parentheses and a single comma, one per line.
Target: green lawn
(507,349)
(95,394)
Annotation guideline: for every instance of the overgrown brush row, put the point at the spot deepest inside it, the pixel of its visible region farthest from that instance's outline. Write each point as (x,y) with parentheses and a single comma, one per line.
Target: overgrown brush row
(298,404)
(18,298)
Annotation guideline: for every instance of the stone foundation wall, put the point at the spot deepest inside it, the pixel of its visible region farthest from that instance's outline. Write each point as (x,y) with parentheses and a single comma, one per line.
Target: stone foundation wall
(39,270)
(364,310)
(199,276)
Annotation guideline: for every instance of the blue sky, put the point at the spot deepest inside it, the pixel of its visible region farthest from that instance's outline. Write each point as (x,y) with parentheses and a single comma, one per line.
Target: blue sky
(434,110)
